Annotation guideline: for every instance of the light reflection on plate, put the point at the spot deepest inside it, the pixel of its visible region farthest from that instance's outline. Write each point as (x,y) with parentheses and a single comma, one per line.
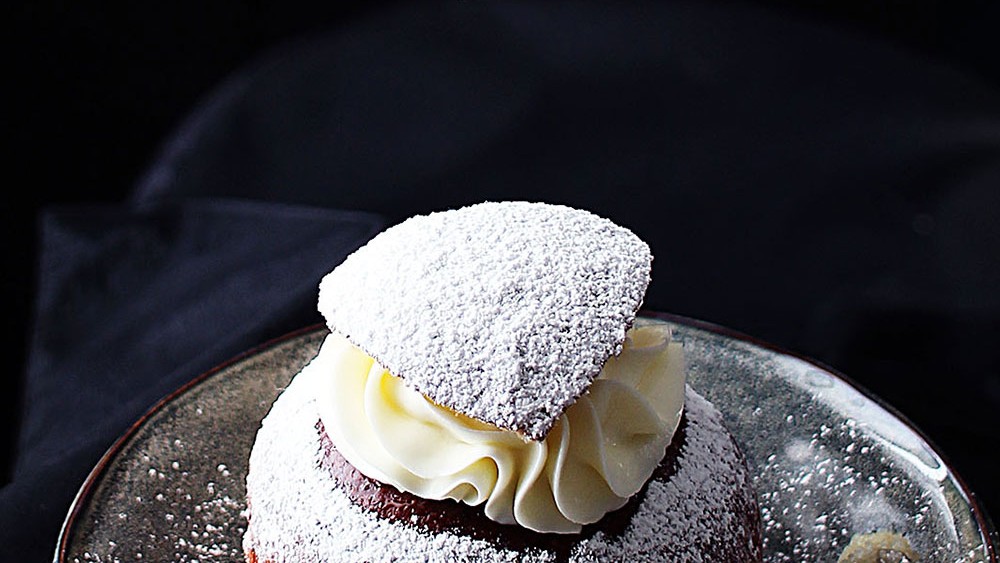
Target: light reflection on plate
(830,461)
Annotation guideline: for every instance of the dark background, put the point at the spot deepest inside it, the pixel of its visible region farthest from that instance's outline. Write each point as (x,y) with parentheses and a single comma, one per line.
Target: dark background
(95,93)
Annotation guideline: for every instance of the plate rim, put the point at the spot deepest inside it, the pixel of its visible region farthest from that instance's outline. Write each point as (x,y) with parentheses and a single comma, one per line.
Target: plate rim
(87,487)
(979,513)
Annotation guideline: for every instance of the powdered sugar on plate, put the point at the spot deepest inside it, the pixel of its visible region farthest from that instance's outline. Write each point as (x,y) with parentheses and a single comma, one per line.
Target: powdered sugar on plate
(503,311)
(812,458)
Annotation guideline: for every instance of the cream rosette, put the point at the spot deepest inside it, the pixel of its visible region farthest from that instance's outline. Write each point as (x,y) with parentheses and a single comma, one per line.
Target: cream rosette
(601,451)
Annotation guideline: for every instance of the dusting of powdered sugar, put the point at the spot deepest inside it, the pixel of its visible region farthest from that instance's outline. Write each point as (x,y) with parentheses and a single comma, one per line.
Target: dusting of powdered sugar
(503,311)
(296,513)
(177,511)
(697,510)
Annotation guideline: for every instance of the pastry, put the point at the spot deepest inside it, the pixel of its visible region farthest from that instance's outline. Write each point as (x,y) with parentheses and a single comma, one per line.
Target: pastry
(488,393)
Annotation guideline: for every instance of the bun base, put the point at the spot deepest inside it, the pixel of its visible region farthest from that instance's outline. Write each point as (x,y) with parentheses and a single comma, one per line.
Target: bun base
(306,504)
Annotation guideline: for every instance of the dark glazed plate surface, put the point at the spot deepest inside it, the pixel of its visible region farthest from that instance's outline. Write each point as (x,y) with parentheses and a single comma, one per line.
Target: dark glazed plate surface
(830,460)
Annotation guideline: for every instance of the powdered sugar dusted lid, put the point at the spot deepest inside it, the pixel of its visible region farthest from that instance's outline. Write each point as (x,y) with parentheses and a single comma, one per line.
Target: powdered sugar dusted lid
(502,311)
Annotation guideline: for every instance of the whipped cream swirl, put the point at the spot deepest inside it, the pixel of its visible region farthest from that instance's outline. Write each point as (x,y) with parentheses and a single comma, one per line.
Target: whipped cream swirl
(601,451)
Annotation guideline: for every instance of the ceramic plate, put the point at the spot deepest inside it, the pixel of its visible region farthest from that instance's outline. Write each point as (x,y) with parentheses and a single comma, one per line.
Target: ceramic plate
(830,461)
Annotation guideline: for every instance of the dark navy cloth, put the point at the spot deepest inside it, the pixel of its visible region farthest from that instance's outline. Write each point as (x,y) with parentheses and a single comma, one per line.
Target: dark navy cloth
(822,190)
(132,304)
